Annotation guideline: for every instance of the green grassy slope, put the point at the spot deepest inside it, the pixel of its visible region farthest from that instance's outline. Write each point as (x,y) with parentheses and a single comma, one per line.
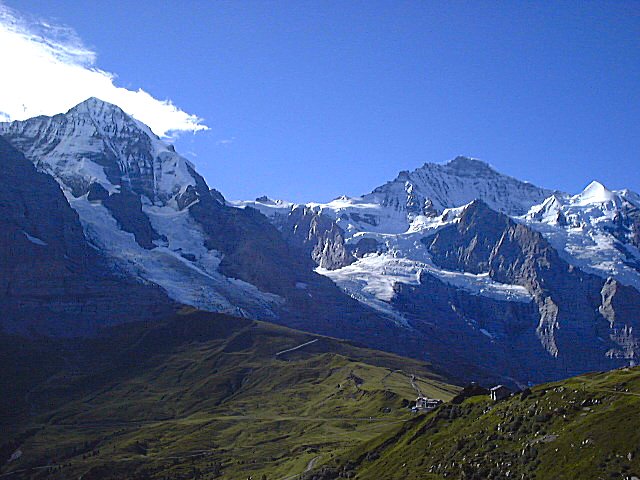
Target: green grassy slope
(586,427)
(197,396)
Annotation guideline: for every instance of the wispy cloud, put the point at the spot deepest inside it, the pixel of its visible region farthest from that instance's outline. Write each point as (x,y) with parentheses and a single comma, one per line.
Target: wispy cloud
(46,69)
(226,141)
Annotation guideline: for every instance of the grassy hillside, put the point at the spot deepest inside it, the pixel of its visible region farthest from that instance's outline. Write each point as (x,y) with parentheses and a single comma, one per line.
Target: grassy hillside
(197,396)
(586,427)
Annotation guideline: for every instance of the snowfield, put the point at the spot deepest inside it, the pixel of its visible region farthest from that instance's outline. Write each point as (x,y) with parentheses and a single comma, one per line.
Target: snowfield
(414,206)
(579,228)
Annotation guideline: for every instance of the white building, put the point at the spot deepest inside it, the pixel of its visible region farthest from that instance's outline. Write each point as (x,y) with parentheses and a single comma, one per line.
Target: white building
(499,392)
(424,404)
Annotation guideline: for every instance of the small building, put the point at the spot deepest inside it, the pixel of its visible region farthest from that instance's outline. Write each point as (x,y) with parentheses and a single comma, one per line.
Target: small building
(424,404)
(471,390)
(499,392)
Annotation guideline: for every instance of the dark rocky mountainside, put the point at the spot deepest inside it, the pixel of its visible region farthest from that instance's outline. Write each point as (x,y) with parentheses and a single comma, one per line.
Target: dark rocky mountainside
(490,334)
(571,302)
(51,280)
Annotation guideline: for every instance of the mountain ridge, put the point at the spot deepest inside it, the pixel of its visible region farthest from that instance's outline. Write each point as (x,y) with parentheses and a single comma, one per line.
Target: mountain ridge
(379,248)
(456,183)
(363,268)
(581,427)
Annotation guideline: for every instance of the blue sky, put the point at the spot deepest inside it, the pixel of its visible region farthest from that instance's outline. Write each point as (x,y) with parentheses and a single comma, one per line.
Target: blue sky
(311,100)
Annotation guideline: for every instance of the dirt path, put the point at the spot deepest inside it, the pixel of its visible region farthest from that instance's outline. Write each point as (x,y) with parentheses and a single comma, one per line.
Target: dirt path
(296,348)
(312,463)
(310,466)
(415,385)
(619,392)
(412,380)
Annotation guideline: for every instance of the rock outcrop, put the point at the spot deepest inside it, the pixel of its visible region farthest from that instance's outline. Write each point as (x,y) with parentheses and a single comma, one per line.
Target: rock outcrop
(317,236)
(572,304)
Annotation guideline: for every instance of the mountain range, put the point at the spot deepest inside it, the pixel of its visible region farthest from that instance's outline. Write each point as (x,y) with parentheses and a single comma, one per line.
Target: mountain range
(483,275)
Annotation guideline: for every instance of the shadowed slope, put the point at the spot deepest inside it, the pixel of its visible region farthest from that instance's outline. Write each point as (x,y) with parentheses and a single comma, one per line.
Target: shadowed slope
(203,391)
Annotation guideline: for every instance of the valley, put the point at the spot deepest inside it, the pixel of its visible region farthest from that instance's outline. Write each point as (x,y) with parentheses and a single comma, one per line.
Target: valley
(202,395)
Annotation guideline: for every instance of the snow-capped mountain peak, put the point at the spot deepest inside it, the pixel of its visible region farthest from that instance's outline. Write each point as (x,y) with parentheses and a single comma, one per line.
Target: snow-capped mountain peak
(96,142)
(100,111)
(456,183)
(469,167)
(141,205)
(596,193)
(597,230)
(549,211)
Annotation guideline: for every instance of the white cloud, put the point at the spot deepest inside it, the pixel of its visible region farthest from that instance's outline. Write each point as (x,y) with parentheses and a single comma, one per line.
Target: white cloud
(46,69)
(226,141)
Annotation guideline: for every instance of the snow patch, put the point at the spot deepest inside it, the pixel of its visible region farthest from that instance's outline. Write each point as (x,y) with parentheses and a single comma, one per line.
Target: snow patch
(269,208)
(595,192)
(35,240)
(15,456)
(487,333)
(584,238)
(195,282)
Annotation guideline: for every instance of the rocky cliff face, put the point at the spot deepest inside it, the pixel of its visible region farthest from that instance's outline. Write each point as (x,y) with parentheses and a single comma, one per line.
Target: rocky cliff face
(51,281)
(489,334)
(318,236)
(308,229)
(626,224)
(147,211)
(572,304)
